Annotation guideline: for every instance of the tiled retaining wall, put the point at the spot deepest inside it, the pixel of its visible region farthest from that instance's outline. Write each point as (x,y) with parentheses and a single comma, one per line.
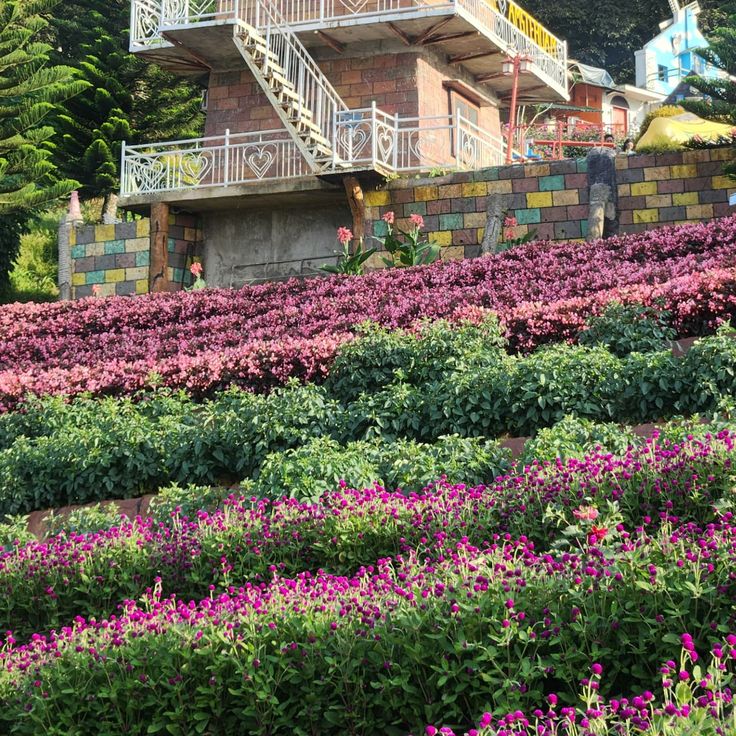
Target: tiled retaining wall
(552,197)
(115,258)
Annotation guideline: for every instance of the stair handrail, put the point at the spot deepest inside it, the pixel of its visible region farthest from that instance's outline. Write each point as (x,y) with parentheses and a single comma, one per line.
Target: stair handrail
(316,93)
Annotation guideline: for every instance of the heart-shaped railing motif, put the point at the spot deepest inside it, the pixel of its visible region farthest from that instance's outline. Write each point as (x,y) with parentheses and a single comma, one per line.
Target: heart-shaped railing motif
(259,159)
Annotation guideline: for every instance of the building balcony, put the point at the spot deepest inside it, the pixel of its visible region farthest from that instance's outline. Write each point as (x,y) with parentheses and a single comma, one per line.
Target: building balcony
(477,34)
(219,167)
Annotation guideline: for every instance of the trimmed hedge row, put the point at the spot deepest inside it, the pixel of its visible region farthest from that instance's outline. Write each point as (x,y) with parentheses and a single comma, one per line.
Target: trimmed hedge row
(57,454)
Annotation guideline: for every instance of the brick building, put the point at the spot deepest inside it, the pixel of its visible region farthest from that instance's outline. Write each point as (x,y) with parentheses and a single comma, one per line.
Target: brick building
(307,100)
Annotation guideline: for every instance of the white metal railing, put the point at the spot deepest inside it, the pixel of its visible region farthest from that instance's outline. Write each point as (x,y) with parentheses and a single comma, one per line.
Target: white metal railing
(548,54)
(371,138)
(206,162)
(550,61)
(366,138)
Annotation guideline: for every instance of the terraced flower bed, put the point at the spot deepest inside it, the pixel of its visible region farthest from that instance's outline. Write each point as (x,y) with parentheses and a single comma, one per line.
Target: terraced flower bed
(385,566)
(262,335)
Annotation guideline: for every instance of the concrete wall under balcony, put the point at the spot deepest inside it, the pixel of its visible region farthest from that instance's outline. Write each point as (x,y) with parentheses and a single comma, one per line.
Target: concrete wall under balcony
(246,245)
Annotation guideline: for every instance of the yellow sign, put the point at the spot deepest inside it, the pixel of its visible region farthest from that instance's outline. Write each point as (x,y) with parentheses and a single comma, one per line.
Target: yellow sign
(528,25)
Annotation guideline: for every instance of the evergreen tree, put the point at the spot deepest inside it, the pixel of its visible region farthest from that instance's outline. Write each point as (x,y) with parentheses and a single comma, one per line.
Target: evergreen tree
(29,89)
(722,92)
(127,98)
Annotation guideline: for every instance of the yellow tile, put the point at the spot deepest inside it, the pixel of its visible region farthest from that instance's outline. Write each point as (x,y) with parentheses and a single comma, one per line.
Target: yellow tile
(624,190)
(172,219)
(685,197)
(423,194)
(536,169)
(699,211)
(565,196)
(72,236)
(443,237)
(190,234)
(539,199)
(646,216)
(134,274)
(106,289)
(686,171)
(114,274)
(643,187)
(657,173)
(377,198)
(452,253)
(143,227)
(723,182)
(692,157)
(78,279)
(475,189)
(449,191)
(659,200)
(141,286)
(721,154)
(95,249)
(502,186)
(474,219)
(104,232)
(479,234)
(137,244)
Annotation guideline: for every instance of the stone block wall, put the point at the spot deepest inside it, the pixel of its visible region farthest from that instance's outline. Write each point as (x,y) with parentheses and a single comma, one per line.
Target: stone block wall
(115,258)
(552,197)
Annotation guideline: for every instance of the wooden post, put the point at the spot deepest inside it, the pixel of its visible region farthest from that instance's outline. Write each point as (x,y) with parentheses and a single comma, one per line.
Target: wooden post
(357,206)
(158,270)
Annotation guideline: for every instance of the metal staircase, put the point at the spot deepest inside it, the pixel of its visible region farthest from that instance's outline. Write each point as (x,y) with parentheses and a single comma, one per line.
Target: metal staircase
(301,94)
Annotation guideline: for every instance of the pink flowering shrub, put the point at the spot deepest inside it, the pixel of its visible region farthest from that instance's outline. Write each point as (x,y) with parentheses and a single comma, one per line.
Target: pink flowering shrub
(258,336)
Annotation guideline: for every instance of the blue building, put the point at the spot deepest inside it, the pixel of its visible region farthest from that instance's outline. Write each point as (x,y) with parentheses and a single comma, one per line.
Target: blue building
(670,56)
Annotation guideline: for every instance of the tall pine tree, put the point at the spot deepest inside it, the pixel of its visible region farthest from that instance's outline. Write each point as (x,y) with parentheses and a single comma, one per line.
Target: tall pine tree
(30,87)
(127,98)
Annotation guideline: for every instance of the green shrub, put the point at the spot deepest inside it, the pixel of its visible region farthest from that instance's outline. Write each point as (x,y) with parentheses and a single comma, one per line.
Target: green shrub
(308,471)
(14,532)
(380,356)
(629,328)
(412,466)
(83,520)
(175,500)
(573,437)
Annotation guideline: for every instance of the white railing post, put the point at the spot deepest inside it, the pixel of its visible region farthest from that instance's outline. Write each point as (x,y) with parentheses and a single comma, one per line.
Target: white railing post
(123,183)
(397,138)
(227,157)
(457,142)
(374,140)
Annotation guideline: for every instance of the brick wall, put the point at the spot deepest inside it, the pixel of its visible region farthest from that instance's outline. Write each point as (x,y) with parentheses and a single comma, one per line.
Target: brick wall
(552,198)
(115,258)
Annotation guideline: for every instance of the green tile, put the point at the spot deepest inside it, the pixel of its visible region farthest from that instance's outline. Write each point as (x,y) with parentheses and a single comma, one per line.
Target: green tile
(415,208)
(487,174)
(528,217)
(142,258)
(79,251)
(380,228)
(114,246)
(451,222)
(95,277)
(551,183)
(171,245)
(582,164)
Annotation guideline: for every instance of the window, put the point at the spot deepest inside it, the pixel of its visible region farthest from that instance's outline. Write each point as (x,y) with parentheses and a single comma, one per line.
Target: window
(662,73)
(465,107)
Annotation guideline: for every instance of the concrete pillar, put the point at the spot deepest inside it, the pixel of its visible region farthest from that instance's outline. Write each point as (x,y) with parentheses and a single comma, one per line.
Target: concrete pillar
(158,270)
(68,223)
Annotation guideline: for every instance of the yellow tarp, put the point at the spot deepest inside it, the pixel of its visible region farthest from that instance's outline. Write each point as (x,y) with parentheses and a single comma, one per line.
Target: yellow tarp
(680,129)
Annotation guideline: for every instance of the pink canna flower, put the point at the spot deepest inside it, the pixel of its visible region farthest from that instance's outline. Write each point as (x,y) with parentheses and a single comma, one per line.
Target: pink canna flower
(96,289)
(417,221)
(344,235)
(585,513)
(196,269)
(389,218)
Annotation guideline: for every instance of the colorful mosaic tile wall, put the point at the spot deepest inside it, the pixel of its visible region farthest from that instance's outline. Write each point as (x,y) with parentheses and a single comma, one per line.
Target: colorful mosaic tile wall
(113,260)
(552,198)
